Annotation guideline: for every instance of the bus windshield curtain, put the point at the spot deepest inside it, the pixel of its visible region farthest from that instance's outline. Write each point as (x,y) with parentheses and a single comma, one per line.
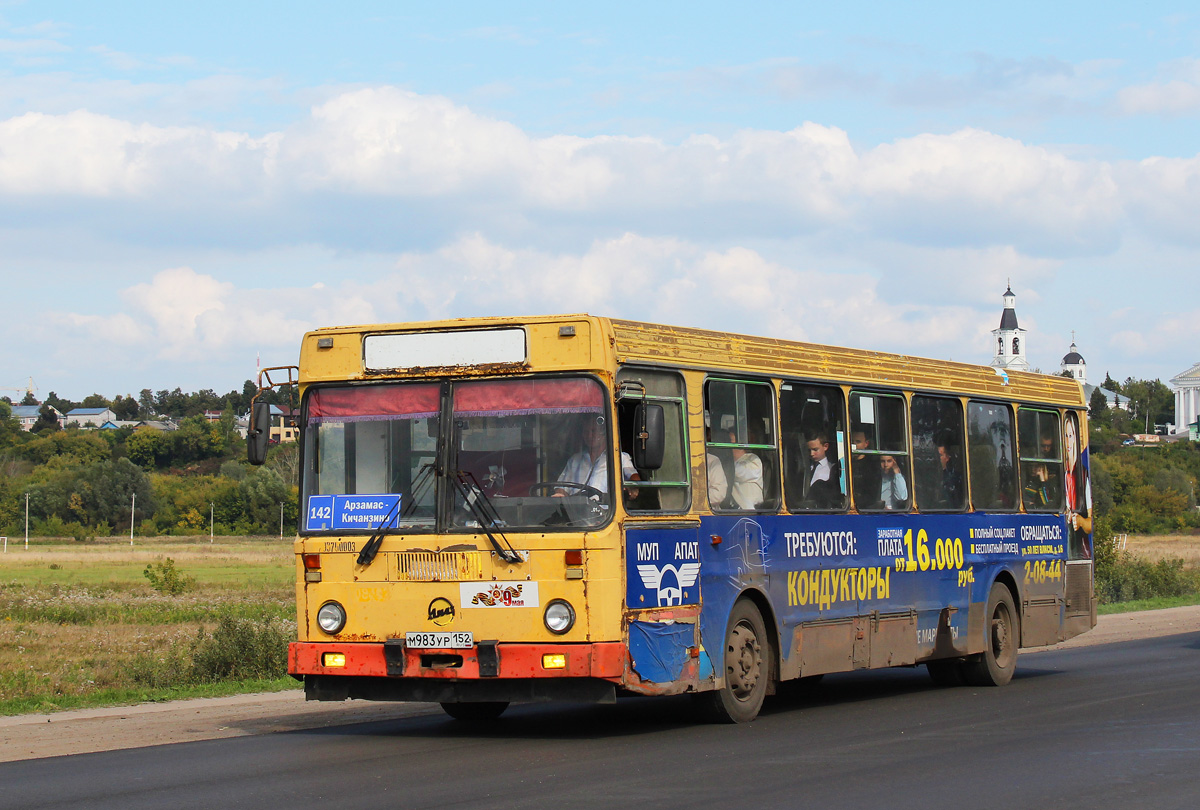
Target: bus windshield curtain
(519,397)
(373,403)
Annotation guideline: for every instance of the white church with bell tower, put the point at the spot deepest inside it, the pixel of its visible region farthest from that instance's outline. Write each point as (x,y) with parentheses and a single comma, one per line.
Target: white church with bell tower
(1009,339)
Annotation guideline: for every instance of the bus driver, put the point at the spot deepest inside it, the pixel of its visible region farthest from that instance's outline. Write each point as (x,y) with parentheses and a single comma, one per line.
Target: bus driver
(590,465)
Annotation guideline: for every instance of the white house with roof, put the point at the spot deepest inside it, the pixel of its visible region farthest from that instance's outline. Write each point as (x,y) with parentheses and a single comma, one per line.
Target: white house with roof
(90,417)
(28,415)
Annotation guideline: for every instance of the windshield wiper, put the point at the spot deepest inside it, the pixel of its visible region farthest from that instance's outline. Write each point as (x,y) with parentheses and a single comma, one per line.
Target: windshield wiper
(367,555)
(485,512)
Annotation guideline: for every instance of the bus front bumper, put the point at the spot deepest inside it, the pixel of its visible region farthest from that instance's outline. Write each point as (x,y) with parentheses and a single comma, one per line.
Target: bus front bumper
(605,660)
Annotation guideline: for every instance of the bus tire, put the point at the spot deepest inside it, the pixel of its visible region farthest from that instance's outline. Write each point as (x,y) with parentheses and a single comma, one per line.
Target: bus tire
(946,673)
(996,664)
(747,667)
(480,712)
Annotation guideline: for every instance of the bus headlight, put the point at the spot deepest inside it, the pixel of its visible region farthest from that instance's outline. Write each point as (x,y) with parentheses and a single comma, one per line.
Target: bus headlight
(331,617)
(559,616)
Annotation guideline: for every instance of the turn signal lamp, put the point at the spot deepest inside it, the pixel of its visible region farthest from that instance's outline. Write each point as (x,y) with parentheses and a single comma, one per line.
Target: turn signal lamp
(312,567)
(573,557)
(554,661)
(333,659)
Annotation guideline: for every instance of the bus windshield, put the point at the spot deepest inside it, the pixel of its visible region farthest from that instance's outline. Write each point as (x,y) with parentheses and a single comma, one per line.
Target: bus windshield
(522,453)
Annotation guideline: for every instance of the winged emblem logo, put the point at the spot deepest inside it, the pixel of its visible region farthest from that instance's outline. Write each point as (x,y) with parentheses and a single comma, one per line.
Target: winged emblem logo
(668,581)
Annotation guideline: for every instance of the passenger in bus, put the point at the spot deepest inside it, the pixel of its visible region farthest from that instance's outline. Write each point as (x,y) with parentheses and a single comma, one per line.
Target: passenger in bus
(865,470)
(590,465)
(824,489)
(718,483)
(952,480)
(893,490)
(747,491)
(1043,486)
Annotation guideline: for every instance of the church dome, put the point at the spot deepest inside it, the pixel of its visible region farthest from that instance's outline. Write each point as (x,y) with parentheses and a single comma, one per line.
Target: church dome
(1073,358)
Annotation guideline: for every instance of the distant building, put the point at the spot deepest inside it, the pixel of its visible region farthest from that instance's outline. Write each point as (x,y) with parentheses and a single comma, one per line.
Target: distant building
(27,415)
(283,425)
(90,417)
(1074,364)
(1009,338)
(1187,395)
(1114,400)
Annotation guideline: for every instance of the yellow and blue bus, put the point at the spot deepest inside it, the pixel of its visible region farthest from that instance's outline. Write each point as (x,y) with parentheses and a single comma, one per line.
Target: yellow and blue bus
(501,510)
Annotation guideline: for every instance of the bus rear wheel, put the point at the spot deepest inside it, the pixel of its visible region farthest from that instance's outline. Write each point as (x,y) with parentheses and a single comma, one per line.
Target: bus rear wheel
(480,712)
(747,667)
(996,664)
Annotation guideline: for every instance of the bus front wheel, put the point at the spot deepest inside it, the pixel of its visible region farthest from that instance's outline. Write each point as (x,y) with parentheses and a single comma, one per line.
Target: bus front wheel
(747,667)
(480,712)
(996,664)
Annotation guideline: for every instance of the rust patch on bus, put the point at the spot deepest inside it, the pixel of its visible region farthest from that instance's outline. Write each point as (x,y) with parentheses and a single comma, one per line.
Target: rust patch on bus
(486,369)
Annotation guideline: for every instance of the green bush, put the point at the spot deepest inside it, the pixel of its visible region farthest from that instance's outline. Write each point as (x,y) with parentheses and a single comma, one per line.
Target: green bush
(237,650)
(162,671)
(165,578)
(1123,577)
(241,649)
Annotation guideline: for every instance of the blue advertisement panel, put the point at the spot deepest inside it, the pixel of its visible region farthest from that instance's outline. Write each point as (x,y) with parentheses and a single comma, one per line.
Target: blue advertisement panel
(662,568)
(821,567)
(362,512)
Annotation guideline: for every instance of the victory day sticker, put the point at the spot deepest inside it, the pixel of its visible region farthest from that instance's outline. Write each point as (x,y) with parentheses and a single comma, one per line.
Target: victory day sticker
(498,594)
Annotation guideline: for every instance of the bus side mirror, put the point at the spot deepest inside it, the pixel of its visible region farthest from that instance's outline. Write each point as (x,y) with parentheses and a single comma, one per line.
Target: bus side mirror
(650,440)
(259,433)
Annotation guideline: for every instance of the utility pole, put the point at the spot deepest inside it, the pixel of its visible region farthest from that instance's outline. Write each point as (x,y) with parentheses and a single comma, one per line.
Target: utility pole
(27,521)
(280,521)
(211,521)
(132,506)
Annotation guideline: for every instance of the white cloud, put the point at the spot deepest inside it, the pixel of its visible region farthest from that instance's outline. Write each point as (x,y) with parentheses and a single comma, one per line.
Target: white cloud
(392,156)
(182,315)
(1162,335)
(26,47)
(91,155)
(1176,92)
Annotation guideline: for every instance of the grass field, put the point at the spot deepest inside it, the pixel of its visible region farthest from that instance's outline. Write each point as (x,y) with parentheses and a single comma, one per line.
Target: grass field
(80,625)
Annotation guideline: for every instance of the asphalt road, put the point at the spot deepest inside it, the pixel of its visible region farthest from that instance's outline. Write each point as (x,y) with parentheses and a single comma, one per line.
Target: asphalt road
(1112,726)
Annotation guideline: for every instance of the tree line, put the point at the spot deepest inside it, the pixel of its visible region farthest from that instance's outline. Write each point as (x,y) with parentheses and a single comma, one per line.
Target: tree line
(83,482)
(1141,489)
(94,483)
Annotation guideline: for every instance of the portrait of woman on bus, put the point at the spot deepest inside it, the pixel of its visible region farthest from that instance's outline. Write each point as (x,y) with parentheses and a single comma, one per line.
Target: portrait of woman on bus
(1079,493)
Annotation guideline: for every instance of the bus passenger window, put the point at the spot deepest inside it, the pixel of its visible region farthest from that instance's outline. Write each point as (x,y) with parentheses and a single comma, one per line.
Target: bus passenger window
(991,446)
(1038,433)
(667,489)
(937,427)
(812,422)
(740,428)
(879,421)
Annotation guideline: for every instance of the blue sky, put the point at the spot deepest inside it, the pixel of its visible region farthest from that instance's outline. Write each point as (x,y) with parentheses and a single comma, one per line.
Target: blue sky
(182,188)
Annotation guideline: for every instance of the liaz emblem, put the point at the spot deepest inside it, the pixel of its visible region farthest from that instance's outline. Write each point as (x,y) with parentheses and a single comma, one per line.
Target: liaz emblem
(441,612)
